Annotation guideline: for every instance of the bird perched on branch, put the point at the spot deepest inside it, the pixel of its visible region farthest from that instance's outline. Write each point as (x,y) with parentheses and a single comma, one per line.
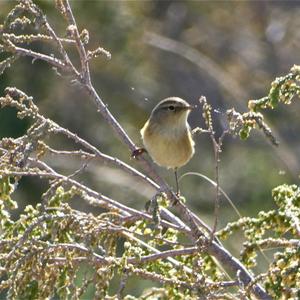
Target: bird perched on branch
(167,136)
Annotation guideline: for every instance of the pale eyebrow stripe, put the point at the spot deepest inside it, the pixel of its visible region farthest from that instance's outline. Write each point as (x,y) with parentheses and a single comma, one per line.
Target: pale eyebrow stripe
(171,102)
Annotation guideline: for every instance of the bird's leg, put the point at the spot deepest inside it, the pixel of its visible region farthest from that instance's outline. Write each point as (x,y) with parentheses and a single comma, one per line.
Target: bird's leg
(177,185)
(137,152)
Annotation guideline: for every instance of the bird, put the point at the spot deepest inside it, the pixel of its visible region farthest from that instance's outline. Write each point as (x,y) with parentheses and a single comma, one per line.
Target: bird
(167,135)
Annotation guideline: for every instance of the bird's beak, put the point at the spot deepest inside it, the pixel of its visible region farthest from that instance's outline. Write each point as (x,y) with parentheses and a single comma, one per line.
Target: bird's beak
(190,107)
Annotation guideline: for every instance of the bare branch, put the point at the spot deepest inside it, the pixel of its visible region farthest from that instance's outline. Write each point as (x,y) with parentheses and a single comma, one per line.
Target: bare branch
(80,46)
(55,62)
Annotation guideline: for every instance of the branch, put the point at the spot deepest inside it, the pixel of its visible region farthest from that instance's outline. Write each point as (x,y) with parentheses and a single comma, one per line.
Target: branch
(100,260)
(94,198)
(55,62)
(195,234)
(79,44)
(226,259)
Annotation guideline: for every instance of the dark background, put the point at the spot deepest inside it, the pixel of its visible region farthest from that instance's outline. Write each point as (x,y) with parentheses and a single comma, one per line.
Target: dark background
(228,51)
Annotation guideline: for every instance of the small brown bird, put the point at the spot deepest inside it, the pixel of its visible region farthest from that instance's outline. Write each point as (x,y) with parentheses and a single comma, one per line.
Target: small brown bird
(167,136)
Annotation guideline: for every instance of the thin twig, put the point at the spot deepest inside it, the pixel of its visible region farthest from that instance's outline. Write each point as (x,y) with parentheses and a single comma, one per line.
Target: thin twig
(39,56)
(79,44)
(96,198)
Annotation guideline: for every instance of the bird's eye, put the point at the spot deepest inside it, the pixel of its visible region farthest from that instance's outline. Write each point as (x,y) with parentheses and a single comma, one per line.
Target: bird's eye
(171,107)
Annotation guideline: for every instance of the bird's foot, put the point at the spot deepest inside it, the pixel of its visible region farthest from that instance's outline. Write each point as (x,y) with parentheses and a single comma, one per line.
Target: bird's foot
(137,152)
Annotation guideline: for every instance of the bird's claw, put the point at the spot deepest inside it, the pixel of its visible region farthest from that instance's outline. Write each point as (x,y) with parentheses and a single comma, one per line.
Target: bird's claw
(137,152)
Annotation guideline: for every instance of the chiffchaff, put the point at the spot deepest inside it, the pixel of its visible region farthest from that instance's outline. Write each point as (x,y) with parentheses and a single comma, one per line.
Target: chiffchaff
(167,136)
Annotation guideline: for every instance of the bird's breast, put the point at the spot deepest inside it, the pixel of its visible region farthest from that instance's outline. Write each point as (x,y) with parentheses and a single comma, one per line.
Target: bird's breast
(171,150)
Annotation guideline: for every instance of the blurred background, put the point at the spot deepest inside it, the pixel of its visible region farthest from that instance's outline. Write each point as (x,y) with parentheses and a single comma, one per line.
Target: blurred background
(228,51)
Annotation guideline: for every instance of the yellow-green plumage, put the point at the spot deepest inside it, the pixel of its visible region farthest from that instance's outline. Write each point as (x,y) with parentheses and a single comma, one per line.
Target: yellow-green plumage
(166,135)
